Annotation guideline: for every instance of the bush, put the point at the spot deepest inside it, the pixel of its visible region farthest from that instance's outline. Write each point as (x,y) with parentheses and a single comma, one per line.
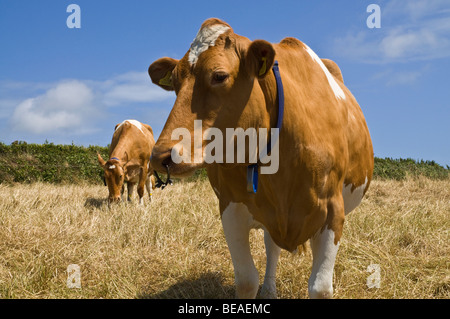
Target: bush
(399,169)
(22,162)
(26,163)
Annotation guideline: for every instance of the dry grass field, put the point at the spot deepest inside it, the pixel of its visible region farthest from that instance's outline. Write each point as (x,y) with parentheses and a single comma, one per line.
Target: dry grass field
(175,248)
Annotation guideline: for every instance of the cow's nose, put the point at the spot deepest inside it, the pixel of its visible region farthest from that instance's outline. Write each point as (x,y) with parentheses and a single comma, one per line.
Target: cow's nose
(161,159)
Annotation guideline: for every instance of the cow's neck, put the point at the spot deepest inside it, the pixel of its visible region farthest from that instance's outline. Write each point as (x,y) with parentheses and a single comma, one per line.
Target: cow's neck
(269,88)
(252,170)
(121,152)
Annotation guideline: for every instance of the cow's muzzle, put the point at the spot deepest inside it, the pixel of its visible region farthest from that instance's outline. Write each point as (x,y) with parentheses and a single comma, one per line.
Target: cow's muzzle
(161,161)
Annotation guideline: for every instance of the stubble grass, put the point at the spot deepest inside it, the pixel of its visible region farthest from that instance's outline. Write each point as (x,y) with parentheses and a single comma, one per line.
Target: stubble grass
(174,247)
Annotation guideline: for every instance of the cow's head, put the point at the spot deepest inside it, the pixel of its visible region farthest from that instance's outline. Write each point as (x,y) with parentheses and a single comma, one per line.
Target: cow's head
(215,82)
(114,177)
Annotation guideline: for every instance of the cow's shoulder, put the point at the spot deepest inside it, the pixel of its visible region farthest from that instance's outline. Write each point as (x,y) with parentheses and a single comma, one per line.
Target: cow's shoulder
(294,43)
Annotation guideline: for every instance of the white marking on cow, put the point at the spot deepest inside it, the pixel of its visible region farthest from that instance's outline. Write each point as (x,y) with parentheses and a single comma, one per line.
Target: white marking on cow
(236,220)
(334,85)
(353,199)
(133,122)
(269,288)
(320,283)
(206,37)
(112,167)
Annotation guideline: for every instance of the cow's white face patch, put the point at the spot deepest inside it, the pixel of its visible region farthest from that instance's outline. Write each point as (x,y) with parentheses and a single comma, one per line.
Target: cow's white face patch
(206,37)
(112,167)
(133,122)
(334,85)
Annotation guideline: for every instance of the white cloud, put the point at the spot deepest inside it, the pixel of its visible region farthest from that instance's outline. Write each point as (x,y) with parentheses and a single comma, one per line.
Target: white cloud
(430,41)
(132,87)
(393,78)
(414,30)
(403,78)
(73,106)
(357,46)
(414,10)
(62,107)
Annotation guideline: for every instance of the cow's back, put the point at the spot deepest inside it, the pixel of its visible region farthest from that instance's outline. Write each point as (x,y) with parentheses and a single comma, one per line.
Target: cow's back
(133,137)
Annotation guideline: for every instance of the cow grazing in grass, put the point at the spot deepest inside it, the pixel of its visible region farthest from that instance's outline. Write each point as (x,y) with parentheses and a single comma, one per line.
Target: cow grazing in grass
(325,150)
(129,161)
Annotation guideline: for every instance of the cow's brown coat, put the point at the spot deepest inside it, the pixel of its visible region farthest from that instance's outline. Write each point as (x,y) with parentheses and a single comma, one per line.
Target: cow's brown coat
(133,148)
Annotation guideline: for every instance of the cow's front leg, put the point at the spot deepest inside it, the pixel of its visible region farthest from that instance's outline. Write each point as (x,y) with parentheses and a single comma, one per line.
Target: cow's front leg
(130,187)
(320,284)
(150,184)
(269,288)
(236,221)
(122,191)
(141,185)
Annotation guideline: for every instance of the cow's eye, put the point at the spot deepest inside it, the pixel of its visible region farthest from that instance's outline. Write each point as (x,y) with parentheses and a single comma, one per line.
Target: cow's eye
(219,77)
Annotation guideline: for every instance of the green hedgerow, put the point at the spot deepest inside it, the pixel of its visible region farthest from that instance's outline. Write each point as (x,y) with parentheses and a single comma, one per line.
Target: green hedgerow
(25,163)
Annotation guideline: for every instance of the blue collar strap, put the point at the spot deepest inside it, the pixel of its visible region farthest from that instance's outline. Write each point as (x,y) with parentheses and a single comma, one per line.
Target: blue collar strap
(252,170)
(252,178)
(115,158)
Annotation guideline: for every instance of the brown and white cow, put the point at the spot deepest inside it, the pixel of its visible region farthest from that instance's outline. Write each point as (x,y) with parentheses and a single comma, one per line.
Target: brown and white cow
(129,161)
(325,150)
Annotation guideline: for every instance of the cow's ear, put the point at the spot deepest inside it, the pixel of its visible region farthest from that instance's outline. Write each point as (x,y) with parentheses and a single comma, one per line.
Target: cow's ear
(260,58)
(160,72)
(101,161)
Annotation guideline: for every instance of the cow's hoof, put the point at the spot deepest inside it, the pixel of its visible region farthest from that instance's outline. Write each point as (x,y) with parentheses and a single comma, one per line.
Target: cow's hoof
(268,293)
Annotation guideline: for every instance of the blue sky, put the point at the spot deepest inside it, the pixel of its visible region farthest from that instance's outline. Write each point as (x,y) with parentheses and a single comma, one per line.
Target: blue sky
(74,85)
